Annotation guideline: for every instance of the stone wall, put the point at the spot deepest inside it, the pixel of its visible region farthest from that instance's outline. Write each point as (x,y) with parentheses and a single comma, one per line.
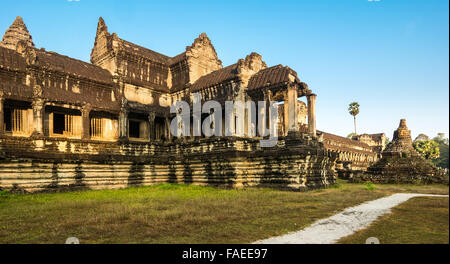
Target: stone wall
(43,164)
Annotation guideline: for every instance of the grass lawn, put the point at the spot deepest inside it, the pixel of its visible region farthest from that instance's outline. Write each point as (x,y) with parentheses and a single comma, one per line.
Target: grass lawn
(419,220)
(180,213)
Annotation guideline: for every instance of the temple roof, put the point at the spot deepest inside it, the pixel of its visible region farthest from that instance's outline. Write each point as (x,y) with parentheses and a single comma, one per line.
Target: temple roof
(57,62)
(344,144)
(144,52)
(266,77)
(215,77)
(278,74)
(178,58)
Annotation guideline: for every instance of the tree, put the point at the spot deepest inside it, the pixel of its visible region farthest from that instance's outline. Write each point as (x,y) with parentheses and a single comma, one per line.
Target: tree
(428,148)
(353,109)
(443,160)
(440,138)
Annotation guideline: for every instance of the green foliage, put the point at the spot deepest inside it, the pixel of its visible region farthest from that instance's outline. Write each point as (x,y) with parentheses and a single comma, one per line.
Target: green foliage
(4,194)
(336,186)
(353,108)
(369,186)
(443,160)
(351,135)
(428,148)
(440,138)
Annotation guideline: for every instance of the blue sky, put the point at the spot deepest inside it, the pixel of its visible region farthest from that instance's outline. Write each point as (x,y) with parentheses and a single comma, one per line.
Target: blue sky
(392,56)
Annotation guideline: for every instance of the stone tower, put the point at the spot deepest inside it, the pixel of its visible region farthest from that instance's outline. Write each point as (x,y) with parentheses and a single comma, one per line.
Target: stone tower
(402,164)
(16,32)
(401,142)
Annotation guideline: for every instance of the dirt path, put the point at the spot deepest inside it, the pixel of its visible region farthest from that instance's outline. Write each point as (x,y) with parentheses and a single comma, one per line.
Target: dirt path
(330,230)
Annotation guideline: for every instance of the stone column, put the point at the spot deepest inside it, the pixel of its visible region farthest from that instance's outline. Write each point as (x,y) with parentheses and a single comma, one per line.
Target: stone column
(268,98)
(85,122)
(292,95)
(151,120)
(123,123)
(168,133)
(312,114)
(286,113)
(229,128)
(38,117)
(2,121)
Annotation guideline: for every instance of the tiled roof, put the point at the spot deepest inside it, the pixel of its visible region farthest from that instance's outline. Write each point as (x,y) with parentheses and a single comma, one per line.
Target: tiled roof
(10,59)
(144,52)
(57,62)
(215,77)
(271,76)
(178,58)
(150,54)
(334,142)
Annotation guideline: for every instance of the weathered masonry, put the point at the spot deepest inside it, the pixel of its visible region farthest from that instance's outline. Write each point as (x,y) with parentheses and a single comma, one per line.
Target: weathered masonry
(65,123)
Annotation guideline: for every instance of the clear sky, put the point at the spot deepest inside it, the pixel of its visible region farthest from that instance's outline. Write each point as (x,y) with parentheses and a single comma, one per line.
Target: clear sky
(392,56)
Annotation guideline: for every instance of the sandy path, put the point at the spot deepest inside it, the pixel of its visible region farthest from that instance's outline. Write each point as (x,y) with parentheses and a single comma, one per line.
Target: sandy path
(330,230)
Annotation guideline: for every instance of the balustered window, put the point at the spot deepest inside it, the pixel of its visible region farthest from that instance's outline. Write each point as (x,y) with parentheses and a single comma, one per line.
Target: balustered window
(18,118)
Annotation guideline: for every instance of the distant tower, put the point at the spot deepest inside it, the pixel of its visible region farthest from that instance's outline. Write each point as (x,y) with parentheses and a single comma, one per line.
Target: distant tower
(16,32)
(401,142)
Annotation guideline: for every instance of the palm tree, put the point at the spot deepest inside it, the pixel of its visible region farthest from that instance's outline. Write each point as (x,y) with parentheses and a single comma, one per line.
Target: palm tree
(353,109)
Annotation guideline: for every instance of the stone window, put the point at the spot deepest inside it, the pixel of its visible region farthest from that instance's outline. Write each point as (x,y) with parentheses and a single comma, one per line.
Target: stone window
(138,126)
(59,124)
(104,126)
(63,122)
(135,129)
(96,127)
(18,118)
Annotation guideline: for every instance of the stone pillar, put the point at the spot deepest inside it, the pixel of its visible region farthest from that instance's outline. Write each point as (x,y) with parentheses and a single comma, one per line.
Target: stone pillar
(123,123)
(230,124)
(151,120)
(85,122)
(292,95)
(286,113)
(2,121)
(38,117)
(268,97)
(312,114)
(168,133)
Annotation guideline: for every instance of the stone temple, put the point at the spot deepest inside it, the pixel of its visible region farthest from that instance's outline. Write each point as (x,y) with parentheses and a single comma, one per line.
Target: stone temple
(401,163)
(65,123)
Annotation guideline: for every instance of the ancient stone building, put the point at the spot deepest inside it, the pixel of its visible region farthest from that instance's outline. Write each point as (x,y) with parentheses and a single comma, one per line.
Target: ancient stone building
(352,156)
(400,163)
(65,123)
(376,141)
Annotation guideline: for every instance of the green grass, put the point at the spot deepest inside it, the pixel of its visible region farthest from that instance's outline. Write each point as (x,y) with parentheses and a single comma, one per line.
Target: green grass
(178,213)
(421,220)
